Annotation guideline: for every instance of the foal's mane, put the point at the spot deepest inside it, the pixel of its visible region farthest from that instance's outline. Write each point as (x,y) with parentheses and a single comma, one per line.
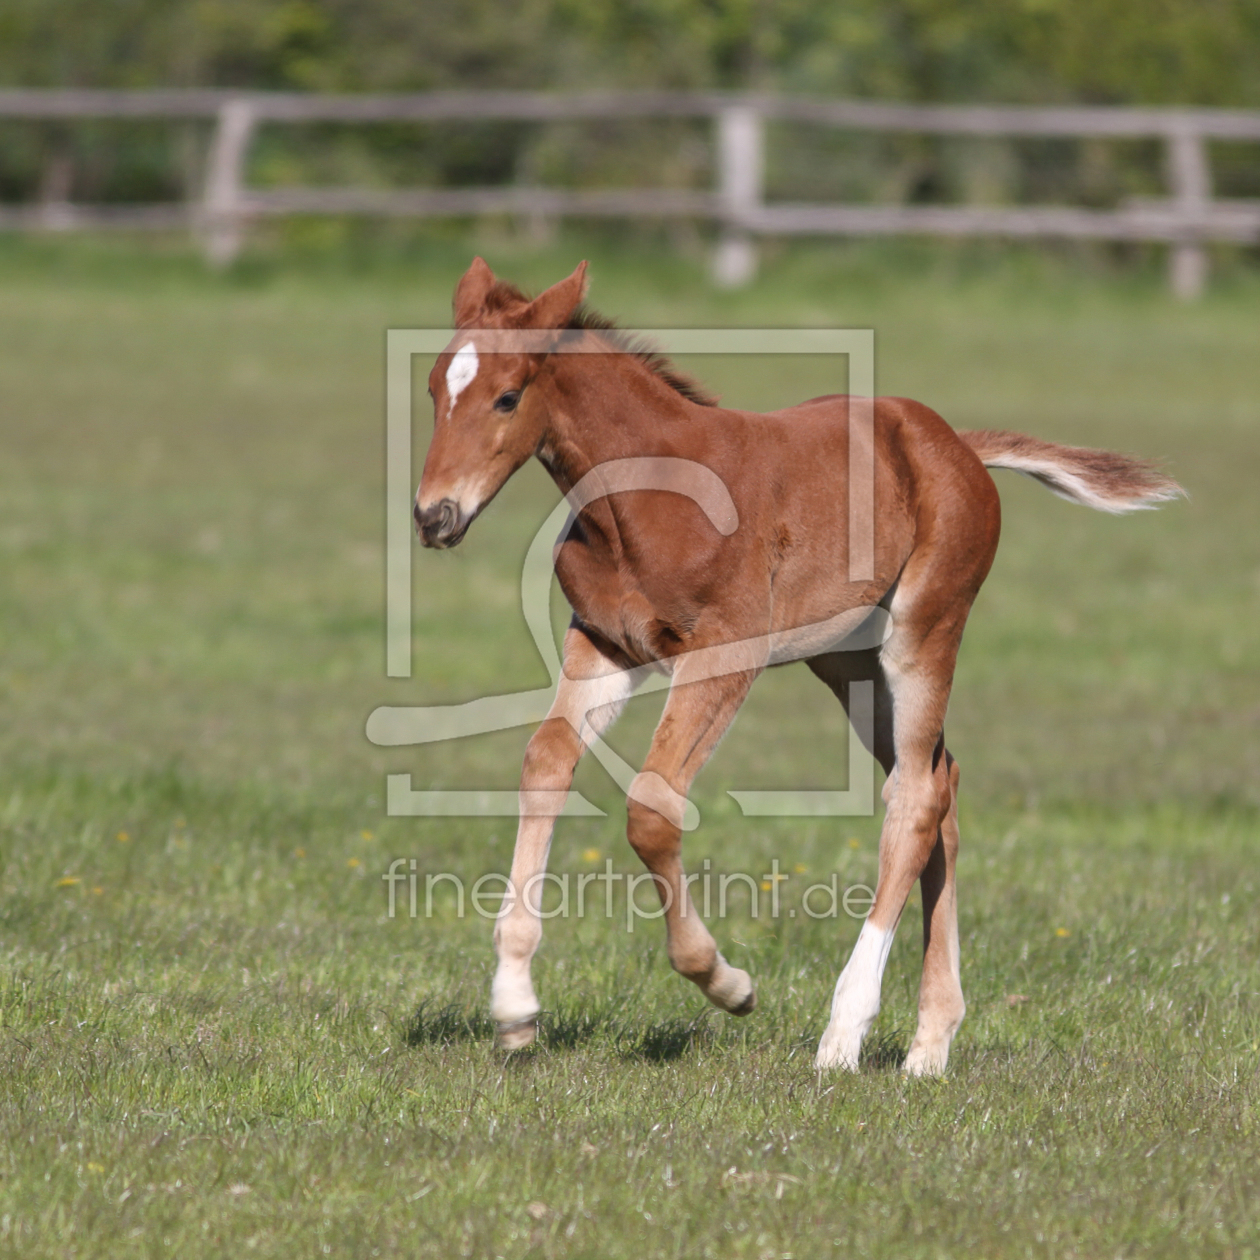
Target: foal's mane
(503,295)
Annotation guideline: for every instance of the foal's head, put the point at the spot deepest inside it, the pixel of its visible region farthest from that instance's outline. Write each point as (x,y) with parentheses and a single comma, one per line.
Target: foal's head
(486,421)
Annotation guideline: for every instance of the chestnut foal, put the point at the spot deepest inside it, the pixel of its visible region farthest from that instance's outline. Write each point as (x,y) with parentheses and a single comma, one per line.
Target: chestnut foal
(658,580)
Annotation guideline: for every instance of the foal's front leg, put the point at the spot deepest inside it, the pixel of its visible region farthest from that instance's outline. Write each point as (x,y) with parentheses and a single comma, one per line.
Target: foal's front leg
(695,718)
(592,691)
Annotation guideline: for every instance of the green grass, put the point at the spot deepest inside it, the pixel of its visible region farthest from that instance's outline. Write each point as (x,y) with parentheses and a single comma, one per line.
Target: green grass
(215,1041)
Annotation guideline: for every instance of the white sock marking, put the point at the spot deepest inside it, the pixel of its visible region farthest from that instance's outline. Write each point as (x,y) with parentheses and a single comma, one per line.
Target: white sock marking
(856,1001)
(461,373)
(512,993)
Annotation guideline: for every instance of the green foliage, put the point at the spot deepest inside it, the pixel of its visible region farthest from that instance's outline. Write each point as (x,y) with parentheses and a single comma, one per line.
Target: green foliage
(1151,51)
(1109,51)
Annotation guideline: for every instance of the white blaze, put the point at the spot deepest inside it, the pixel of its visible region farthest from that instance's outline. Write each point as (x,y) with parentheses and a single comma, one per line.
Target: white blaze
(461,373)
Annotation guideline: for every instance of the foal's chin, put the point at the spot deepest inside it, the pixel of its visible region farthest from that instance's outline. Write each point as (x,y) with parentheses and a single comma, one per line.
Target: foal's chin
(444,544)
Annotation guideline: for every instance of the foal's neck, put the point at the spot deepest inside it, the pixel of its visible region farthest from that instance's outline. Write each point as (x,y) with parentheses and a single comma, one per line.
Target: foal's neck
(608,406)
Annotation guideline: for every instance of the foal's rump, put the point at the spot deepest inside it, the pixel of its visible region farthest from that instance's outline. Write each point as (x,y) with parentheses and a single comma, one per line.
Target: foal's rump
(1098,479)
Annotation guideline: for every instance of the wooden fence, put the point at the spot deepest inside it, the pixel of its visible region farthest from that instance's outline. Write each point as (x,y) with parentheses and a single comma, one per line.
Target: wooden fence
(1186,220)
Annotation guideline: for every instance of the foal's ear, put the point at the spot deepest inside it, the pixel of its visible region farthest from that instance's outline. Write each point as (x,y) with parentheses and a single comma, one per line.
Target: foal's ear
(555,307)
(471,292)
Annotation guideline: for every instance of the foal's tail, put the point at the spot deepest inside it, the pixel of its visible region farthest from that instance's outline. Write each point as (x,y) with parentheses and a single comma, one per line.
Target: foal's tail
(1097,479)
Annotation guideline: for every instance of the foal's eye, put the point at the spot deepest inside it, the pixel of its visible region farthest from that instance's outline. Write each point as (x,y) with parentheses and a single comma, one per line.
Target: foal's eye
(508,401)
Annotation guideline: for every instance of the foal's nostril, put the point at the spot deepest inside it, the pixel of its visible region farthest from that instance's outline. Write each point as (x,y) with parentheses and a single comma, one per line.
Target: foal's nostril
(437,524)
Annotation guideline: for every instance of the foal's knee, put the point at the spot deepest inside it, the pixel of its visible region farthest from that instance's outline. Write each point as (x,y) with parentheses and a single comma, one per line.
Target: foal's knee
(550,756)
(653,835)
(655,814)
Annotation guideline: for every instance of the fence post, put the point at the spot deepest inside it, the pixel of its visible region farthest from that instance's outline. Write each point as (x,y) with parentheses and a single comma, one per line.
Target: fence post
(222,207)
(741,166)
(55,211)
(1190,182)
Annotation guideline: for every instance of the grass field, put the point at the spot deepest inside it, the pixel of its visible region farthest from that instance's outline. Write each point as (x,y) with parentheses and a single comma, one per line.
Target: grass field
(216,1042)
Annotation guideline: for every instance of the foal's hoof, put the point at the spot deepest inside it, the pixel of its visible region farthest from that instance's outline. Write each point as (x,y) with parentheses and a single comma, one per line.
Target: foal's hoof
(518,1034)
(731,989)
(838,1049)
(926,1060)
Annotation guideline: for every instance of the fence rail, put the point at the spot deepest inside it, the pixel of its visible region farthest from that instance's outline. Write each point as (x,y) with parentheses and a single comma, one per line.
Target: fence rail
(1186,220)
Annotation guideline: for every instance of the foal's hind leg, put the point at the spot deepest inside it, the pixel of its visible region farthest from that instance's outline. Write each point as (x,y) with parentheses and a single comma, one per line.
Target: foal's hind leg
(941,1005)
(917,670)
(592,690)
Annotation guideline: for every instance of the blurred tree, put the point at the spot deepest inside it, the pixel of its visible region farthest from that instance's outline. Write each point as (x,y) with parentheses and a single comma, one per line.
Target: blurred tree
(1149,51)
(1204,52)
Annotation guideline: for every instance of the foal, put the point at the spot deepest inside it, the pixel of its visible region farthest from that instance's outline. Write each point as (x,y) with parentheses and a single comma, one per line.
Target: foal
(726,558)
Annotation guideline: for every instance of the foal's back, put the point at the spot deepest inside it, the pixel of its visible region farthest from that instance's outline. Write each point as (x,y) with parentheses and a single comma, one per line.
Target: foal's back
(790,479)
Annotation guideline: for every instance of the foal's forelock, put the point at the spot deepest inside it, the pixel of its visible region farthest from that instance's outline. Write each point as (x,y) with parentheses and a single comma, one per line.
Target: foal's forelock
(505,306)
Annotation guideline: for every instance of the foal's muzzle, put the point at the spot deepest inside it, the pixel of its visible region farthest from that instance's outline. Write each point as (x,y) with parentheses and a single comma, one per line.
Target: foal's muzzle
(441,525)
